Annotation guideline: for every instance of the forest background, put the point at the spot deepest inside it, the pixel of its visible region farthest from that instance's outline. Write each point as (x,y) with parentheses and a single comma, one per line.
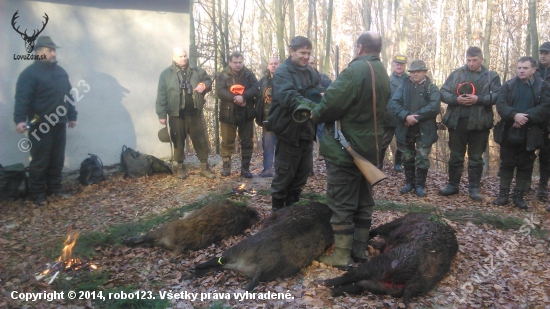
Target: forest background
(436,31)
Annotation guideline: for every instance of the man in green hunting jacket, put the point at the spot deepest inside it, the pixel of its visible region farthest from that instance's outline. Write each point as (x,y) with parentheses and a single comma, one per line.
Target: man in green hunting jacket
(350,100)
(237,89)
(180,96)
(469,118)
(416,104)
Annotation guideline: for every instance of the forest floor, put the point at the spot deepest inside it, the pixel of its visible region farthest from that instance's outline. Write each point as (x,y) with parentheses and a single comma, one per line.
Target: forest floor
(503,259)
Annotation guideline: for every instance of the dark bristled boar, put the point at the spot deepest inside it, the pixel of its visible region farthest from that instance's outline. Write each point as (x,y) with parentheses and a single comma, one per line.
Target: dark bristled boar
(287,242)
(201,228)
(416,253)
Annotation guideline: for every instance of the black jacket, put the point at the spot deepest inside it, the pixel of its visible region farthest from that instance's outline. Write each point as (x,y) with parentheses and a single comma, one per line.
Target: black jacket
(288,93)
(538,113)
(41,89)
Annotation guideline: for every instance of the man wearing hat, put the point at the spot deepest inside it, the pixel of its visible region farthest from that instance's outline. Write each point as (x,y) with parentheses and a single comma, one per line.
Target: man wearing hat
(543,70)
(396,78)
(416,104)
(41,89)
(470,92)
(180,96)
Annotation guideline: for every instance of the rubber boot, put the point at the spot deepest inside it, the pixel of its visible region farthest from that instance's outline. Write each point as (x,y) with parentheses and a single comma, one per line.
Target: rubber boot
(277,204)
(381,155)
(397,163)
(182,171)
(206,172)
(502,197)
(518,199)
(292,198)
(226,169)
(454,180)
(542,192)
(245,167)
(409,179)
(420,188)
(359,245)
(474,180)
(341,257)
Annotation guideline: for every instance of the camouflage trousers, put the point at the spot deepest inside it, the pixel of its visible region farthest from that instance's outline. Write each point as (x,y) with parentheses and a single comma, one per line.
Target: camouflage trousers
(415,153)
(387,137)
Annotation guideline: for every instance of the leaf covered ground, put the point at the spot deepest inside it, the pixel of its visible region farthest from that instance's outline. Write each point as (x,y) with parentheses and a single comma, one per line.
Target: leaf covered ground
(503,260)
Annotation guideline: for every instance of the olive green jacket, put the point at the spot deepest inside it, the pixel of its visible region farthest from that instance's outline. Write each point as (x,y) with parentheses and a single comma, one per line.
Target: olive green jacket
(481,114)
(350,99)
(395,82)
(169,94)
(431,104)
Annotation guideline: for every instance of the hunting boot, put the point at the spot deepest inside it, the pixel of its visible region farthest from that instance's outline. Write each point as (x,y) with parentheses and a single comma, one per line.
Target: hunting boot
(292,198)
(474,180)
(454,180)
(502,197)
(359,245)
(542,193)
(409,179)
(206,172)
(397,163)
(226,168)
(245,167)
(421,174)
(341,256)
(518,199)
(381,155)
(277,204)
(182,171)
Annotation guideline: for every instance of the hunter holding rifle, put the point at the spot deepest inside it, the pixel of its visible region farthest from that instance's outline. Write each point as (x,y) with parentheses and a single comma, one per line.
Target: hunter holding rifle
(349,99)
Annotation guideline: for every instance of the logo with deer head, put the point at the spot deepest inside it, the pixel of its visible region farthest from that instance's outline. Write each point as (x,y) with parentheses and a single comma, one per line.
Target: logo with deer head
(29,40)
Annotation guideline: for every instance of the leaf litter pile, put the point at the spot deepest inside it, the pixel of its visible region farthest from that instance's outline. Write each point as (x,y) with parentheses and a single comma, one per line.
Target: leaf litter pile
(494,268)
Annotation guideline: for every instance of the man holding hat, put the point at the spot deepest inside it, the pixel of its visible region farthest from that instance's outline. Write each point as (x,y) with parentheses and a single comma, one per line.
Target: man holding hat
(180,96)
(416,104)
(543,70)
(470,92)
(41,89)
(396,78)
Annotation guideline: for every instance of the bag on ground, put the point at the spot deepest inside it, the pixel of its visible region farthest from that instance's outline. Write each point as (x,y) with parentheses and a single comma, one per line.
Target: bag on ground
(91,171)
(134,164)
(11,177)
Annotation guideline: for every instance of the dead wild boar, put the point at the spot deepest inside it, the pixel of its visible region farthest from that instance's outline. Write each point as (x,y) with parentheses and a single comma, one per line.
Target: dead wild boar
(201,228)
(287,242)
(416,253)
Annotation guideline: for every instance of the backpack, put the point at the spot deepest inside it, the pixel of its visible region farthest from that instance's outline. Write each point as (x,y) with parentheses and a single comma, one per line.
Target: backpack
(134,164)
(91,170)
(158,165)
(11,178)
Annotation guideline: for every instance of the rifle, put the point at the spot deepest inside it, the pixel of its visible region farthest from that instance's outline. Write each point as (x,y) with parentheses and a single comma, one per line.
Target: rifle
(369,170)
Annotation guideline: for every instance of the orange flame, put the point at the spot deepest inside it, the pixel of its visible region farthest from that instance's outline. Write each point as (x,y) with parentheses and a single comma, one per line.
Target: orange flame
(241,187)
(66,254)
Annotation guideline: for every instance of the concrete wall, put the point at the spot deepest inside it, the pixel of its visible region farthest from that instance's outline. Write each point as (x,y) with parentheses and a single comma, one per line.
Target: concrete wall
(118,48)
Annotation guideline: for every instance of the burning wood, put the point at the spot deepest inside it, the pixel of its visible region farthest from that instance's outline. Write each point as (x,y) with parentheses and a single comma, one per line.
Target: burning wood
(65,263)
(241,190)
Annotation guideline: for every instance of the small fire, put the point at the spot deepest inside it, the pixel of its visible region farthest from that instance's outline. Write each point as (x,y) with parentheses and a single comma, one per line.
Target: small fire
(66,262)
(241,187)
(241,190)
(67,252)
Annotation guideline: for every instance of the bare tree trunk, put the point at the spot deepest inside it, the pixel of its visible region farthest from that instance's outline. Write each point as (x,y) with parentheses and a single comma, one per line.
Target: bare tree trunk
(291,19)
(468,22)
(280,22)
(533,29)
(367,17)
(226,31)
(310,7)
(216,123)
(404,33)
(488,28)
(328,40)
(382,32)
(192,39)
